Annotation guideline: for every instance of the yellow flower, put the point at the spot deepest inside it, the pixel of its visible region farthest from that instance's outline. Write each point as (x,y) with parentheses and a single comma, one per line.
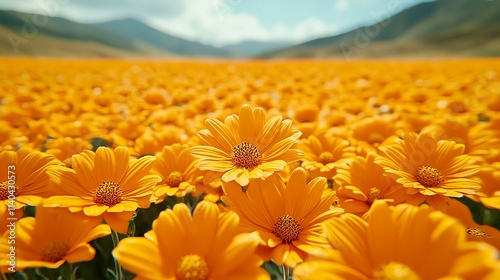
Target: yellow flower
(176,167)
(107,184)
(324,154)
(26,170)
(364,182)
(246,146)
(489,196)
(431,170)
(287,218)
(399,242)
(63,148)
(475,231)
(51,238)
(207,245)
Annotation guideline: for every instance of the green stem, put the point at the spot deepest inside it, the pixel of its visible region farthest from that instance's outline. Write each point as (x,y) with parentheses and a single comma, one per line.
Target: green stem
(286,272)
(118,268)
(66,270)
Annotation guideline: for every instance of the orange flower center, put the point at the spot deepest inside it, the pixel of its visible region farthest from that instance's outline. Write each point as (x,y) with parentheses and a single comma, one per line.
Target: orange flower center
(374,194)
(479,233)
(108,193)
(174,179)
(326,157)
(4,190)
(375,138)
(54,251)
(287,229)
(192,267)
(428,176)
(246,155)
(395,271)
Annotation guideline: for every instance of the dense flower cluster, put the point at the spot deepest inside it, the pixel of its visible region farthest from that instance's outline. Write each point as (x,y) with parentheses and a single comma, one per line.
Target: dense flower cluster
(249,170)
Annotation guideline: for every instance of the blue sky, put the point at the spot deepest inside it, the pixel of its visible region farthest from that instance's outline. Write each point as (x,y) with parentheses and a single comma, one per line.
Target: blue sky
(220,22)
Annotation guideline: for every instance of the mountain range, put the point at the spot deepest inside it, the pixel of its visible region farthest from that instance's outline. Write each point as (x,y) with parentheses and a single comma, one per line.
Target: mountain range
(441,28)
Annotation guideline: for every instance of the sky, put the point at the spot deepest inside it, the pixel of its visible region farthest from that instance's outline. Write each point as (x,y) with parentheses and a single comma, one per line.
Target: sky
(222,22)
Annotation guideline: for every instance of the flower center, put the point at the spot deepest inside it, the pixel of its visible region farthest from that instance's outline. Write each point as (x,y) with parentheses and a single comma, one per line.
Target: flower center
(479,233)
(54,251)
(108,193)
(395,271)
(287,229)
(428,176)
(192,267)
(4,190)
(174,179)
(246,155)
(374,194)
(375,138)
(326,157)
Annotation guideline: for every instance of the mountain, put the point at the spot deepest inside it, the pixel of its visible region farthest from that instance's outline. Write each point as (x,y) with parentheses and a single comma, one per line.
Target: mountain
(437,28)
(34,35)
(252,48)
(139,31)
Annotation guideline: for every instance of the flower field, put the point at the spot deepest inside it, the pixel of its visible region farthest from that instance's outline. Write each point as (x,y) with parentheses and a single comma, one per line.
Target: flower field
(192,170)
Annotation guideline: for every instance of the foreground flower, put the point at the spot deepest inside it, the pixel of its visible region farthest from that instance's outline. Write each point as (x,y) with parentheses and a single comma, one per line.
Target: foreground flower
(176,167)
(490,187)
(51,238)
(24,176)
(387,246)
(364,182)
(246,146)
(475,231)
(207,245)
(287,218)
(431,170)
(107,184)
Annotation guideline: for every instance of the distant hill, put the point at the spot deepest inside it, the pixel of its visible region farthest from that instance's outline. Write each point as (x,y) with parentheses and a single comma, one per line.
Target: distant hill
(438,28)
(25,34)
(252,48)
(139,31)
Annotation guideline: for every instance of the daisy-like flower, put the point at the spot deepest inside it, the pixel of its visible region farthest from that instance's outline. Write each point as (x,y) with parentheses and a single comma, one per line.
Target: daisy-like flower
(51,238)
(364,182)
(489,195)
(287,217)
(107,183)
(478,139)
(475,231)
(63,148)
(431,170)
(387,246)
(246,146)
(176,168)
(24,176)
(207,245)
(322,155)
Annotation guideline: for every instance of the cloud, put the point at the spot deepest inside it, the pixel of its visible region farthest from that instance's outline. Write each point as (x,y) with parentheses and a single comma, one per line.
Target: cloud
(341,5)
(216,22)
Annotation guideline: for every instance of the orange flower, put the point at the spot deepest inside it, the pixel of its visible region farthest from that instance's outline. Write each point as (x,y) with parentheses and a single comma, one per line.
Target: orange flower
(287,218)
(364,182)
(489,195)
(324,154)
(176,167)
(246,146)
(51,238)
(431,170)
(26,170)
(399,242)
(64,148)
(207,245)
(107,184)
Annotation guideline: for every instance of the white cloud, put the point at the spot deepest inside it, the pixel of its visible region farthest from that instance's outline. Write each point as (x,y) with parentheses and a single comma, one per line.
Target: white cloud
(215,22)
(341,5)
